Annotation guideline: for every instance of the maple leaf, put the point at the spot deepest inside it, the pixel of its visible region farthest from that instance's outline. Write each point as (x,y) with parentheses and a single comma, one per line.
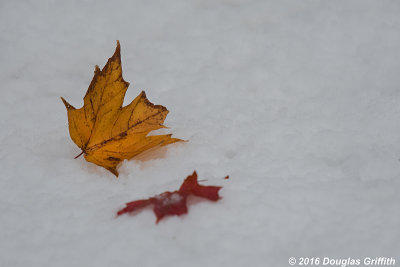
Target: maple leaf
(108,133)
(174,203)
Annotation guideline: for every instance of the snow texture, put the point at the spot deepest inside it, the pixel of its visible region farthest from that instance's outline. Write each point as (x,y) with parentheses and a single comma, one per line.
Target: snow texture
(298,101)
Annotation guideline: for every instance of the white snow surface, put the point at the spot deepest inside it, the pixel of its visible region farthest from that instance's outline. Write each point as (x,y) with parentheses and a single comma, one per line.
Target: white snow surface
(298,101)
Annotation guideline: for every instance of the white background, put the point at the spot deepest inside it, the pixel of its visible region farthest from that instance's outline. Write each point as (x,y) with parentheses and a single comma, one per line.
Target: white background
(298,101)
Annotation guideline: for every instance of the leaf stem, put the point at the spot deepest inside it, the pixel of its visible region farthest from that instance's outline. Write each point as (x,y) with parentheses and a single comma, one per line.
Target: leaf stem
(79,155)
(203,180)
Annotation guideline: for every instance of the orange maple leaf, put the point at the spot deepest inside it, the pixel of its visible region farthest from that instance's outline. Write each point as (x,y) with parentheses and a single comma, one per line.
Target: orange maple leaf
(108,133)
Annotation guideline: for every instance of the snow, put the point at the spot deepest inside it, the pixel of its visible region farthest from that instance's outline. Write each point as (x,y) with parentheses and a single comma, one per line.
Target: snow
(298,101)
(174,198)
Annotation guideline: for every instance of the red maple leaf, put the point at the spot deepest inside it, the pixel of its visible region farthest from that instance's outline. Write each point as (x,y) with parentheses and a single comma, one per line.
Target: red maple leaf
(174,203)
